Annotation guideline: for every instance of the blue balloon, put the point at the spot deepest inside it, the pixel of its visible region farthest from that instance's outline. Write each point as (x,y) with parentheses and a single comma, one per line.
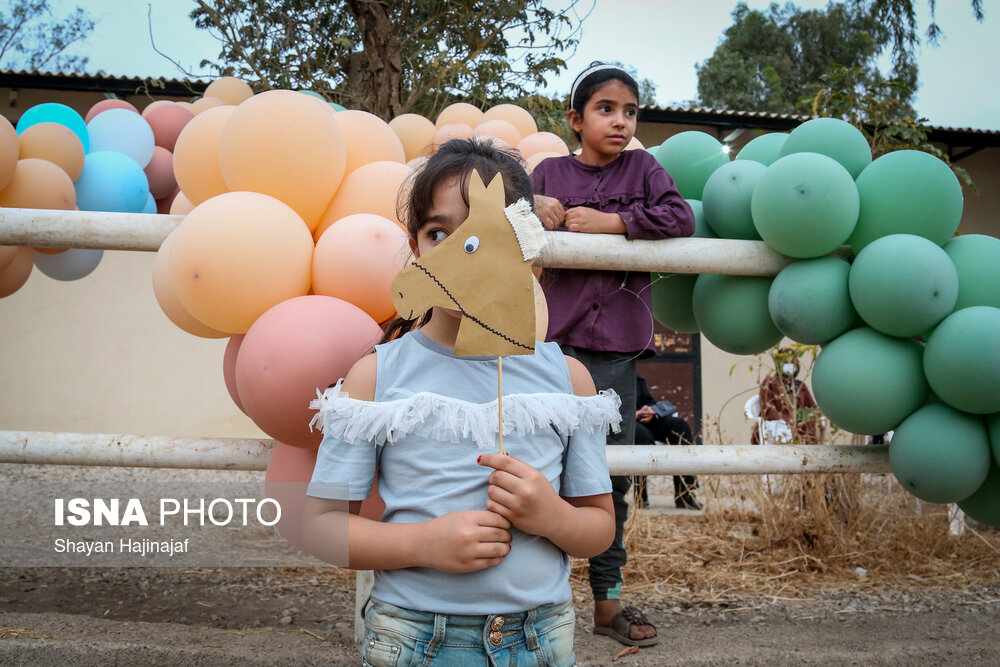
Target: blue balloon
(123,131)
(111,181)
(53,112)
(150,206)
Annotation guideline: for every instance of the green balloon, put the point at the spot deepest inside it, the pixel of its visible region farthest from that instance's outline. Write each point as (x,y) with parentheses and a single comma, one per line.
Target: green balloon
(903,284)
(337,107)
(732,313)
(984,505)
(993,430)
(672,292)
(764,149)
(867,382)
(690,158)
(939,454)
(313,93)
(977,259)
(809,301)
(727,199)
(907,192)
(672,295)
(962,360)
(805,205)
(834,138)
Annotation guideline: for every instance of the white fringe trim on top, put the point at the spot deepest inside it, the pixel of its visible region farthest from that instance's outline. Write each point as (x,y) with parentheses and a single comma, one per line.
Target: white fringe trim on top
(439,417)
(527,227)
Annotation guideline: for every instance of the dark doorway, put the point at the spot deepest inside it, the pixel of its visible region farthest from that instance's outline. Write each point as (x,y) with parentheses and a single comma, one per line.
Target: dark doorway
(674,373)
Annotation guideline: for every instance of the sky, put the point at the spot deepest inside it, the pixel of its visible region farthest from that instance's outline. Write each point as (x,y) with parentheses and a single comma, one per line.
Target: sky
(662,39)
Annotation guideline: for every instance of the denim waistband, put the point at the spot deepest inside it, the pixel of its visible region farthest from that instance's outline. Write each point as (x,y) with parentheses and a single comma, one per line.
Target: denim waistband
(511,620)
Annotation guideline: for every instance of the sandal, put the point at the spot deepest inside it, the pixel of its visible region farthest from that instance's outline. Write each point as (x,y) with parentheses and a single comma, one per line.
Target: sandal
(622,622)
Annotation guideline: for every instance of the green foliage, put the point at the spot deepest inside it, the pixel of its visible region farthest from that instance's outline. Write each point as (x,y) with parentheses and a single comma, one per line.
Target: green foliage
(879,111)
(32,38)
(390,58)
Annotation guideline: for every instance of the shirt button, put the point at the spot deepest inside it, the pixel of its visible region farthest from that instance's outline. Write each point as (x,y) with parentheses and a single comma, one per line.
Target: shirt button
(594,307)
(496,637)
(497,623)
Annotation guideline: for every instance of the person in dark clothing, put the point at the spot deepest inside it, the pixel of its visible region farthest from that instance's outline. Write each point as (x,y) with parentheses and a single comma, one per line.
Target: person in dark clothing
(672,429)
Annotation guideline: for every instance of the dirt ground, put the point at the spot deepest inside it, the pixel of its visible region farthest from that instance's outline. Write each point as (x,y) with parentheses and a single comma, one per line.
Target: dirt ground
(141,616)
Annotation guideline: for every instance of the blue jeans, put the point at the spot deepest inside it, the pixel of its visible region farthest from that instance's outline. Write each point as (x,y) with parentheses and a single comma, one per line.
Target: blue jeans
(397,637)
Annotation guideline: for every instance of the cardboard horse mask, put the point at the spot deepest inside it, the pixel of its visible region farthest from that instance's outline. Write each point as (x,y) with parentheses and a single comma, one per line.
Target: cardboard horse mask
(483,270)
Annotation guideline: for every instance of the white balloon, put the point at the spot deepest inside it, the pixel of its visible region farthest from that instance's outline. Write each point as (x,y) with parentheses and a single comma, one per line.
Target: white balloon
(72,264)
(124,131)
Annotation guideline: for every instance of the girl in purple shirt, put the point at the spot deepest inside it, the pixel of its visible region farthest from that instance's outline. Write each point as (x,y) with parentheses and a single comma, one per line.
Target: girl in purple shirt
(604,318)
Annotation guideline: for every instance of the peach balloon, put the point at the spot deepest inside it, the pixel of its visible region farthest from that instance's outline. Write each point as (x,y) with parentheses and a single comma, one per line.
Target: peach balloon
(368,138)
(230,90)
(181,205)
(459,112)
(634,145)
(287,145)
(196,155)
(238,254)
(57,144)
(299,346)
(371,188)
(160,173)
(39,184)
(104,105)
(17,272)
(229,368)
(9,149)
(203,104)
(499,129)
(7,127)
(517,116)
(288,475)
(186,105)
(415,132)
(356,260)
(7,254)
(542,141)
(167,121)
(166,297)
(446,133)
(532,162)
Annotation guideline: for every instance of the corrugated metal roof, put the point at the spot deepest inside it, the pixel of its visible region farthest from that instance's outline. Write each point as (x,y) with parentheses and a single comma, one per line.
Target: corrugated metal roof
(100,76)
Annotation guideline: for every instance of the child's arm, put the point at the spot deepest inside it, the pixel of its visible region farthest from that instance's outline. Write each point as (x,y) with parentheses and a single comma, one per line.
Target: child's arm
(581,526)
(455,542)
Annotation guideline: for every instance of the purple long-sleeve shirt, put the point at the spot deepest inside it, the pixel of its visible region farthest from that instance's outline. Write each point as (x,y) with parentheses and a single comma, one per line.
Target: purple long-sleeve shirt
(610,310)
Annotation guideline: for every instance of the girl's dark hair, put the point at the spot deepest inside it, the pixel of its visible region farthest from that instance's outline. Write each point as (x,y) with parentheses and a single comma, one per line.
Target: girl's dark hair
(458,157)
(584,89)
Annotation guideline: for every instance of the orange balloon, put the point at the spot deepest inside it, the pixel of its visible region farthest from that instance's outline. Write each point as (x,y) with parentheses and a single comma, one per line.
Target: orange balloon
(459,112)
(17,272)
(542,141)
(634,145)
(104,105)
(39,184)
(57,144)
(230,90)
(368,138)
(7,128)
(181,205)
(238,254)
(371,188)
(517,116)
(160,173)
(7,254)
(499,129)
(186,105)
(532,162)
(163,290)
(205,103)
(287,145)
(415,132)
(8,157)
(196,155)
(167,121)
(356,260)
(446,133)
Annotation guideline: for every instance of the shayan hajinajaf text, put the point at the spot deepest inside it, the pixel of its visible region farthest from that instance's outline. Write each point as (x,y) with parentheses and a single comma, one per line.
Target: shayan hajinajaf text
(124,546)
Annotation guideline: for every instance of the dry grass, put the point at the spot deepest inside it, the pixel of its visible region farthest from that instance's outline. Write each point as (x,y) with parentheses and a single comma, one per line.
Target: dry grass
(789,536)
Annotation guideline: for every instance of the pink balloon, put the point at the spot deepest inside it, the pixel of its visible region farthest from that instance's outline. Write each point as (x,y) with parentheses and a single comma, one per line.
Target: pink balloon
(164,204)
(229,368)
(160,173)
(104,105)
(288,474)
(167,121)
(296,347)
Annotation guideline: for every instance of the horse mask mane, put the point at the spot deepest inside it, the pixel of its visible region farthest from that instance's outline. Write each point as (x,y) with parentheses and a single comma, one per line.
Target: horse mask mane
(482,270)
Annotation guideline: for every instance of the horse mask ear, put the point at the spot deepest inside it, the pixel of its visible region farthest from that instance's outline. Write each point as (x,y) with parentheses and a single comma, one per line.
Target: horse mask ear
(484,270)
